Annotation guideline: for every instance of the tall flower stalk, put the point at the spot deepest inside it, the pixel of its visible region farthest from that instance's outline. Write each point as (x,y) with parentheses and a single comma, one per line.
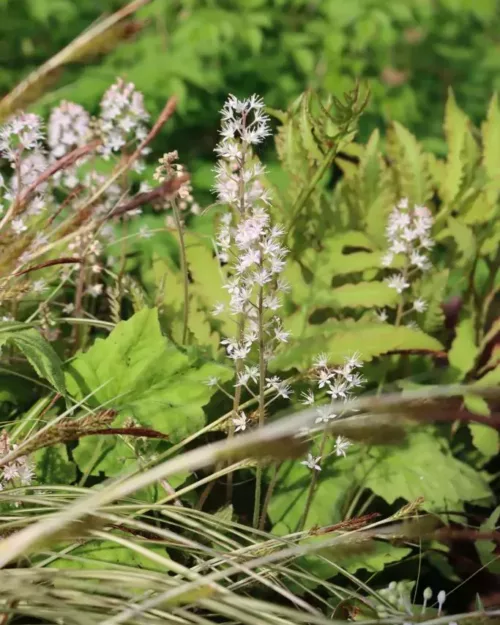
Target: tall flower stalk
(338,383)
(409,236)
(251,248)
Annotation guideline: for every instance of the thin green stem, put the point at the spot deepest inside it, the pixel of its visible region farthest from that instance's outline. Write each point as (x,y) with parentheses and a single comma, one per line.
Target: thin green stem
(241,321)
(236,405)
(354,502)
(76,331)
(184,270)
(262,404)
(312,485)
(305,194)
(400,309)
(269,494)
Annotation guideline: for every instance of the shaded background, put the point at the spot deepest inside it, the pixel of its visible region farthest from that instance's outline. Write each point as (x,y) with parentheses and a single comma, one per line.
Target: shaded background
(410,51)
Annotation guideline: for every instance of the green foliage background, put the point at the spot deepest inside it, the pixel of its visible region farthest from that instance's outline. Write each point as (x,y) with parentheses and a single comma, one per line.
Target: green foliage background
(410,51)
(418,139)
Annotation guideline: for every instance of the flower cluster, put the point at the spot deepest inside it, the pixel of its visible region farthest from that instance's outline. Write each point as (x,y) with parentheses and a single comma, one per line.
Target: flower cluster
(29,170)
(68,128)
(123,117)
(339,383)
(21,143)
(408,232)
(409,236)
(246,238)
(19,471)
(398,595)
(24,132)
(168,169)
(251,248)
(238,183)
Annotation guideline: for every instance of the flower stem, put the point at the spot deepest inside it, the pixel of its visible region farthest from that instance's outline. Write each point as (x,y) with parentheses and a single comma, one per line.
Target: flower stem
(262,403)
(400,308)
(236,405)
(312,485)
(184,270)
(269,494)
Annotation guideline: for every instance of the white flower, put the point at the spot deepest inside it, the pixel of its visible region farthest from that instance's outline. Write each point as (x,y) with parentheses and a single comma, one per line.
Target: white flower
(420,305)
(68,308)
(10,472)
(324,377)
(271,302)
(26,471)
(240,352)
(281,335)
(145,232)
(382,315)
(398,247)
(353,362)
(398,282)
(18,225)
(95,289)
(281,387)
(249,373)
(144,187)
(240,422)
(39,286)
(419,260)
(387,259)
(218,309)
(341,445)
(308,398)
(212,381)
(321,361)
(337,388)
(312,462)
(324,414)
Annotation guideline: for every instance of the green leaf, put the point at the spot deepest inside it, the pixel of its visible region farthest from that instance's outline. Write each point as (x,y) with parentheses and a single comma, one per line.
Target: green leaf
(138,372)
(333,490)
(492,378)
(53,465)
(423,467)
(433,291)
(290,495)
(455,128)
(373,560)
(412,166)
(102,554)
(341,339)
(491,140)
(486,548)
(465,240)
(463,351)
(372,556)
(484,438)
(361,295)
(109,454)
(37,350)
(476,405)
